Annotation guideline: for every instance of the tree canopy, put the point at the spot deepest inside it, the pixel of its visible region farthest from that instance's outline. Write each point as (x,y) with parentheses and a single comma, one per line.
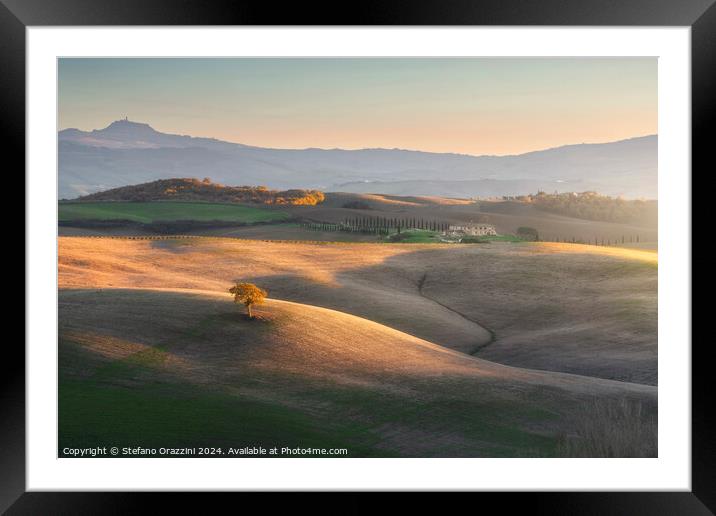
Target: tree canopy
(593,206)
(248,295)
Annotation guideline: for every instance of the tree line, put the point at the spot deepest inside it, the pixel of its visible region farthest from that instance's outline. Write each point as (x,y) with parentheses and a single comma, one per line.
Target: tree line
(395,224)
(373,225)
(590,206)
(331,226)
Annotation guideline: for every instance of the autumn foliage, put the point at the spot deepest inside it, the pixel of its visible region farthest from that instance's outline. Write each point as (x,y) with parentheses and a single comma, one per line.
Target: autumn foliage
(592,206)
(190,189)
(248,295)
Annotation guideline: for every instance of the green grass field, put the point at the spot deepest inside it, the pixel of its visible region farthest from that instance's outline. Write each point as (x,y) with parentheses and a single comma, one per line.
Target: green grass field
(172,414)
(147,212)
(415,236)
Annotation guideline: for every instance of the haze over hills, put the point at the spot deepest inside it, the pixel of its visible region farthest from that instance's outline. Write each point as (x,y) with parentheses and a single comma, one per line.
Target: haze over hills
(127,152)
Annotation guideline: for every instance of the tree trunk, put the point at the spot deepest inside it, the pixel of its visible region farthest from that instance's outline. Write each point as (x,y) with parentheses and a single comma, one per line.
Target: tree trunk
(248,309)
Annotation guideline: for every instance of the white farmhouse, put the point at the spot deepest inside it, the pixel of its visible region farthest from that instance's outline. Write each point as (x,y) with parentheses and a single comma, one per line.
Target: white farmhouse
(471,230)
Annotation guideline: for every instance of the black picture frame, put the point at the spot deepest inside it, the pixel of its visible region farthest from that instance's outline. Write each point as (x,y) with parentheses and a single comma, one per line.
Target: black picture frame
(700,15)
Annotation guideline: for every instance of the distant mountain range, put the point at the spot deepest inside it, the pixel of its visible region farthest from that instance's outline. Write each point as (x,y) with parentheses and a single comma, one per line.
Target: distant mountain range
(127,152)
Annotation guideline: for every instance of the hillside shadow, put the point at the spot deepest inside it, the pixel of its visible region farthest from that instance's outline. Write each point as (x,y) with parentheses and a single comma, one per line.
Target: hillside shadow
(575,312)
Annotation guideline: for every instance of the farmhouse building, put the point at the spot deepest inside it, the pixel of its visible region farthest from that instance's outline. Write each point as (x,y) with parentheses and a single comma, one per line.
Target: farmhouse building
(472,230)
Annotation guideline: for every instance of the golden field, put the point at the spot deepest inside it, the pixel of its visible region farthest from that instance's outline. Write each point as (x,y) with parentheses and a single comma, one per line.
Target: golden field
(387,349)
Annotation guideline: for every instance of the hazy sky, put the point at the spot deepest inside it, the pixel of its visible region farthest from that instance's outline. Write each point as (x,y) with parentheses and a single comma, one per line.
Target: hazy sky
(466,105)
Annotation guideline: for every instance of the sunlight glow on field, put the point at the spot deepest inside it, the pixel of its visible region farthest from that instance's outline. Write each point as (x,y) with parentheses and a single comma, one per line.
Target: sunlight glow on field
(616,252)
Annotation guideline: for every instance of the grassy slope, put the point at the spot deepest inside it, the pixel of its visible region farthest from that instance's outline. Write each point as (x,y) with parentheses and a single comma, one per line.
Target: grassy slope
(338,199)
(581,309)
(362,279)
(289,231)
(415,236)
(146,212)
(560,307)
(173,368)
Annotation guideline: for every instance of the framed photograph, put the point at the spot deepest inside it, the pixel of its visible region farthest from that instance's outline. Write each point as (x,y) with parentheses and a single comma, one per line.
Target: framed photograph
(440,249)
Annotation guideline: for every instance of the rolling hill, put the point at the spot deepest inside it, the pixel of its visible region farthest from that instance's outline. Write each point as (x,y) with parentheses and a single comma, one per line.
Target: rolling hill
(506,216)
(179,368)
(127,152)
(192,189)
(558,307)
(332,207)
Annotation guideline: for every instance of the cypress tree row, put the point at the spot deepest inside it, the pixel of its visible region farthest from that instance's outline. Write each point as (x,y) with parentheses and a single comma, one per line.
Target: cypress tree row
(377,225)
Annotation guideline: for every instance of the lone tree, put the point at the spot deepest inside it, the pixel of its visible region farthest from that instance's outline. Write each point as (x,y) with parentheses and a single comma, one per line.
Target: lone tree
(248,294)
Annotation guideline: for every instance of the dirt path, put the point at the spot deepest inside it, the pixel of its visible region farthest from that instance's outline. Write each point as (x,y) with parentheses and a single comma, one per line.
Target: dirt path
(478,347)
